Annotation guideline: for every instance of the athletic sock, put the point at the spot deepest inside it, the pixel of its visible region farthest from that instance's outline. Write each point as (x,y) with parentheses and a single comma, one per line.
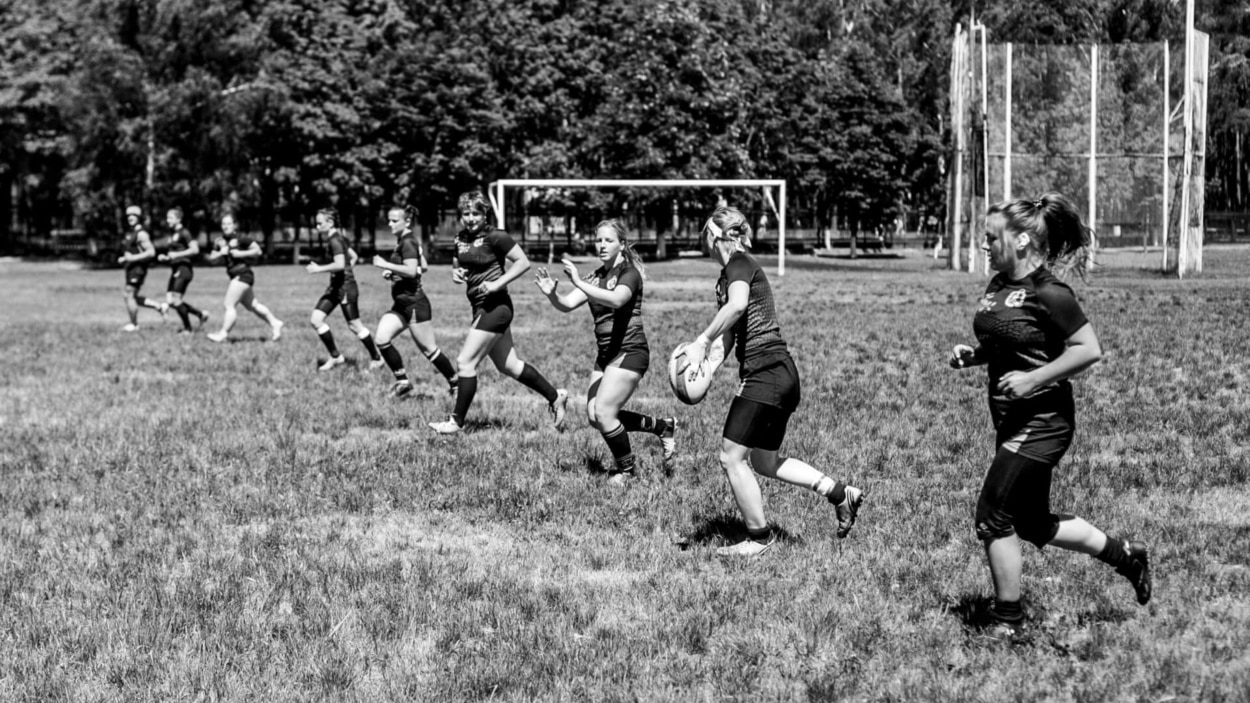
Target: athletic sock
(193,310)
(367,340)
(394,361)
(464,398)
(443,364)
(183,314)
(1113,553)
(1008,611)
(835,491)
(327,338)
(637,422)
(763,536)
(534,380)
(618,443)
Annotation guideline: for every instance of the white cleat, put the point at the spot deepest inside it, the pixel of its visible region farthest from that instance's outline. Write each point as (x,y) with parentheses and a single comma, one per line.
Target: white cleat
(745,548)
(558,408)
(377,364)
(130,327)
(448,426)
(277,330)
(332,362)
(217,337)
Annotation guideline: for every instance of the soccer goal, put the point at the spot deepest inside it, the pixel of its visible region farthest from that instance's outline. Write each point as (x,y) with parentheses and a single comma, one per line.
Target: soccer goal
(498,195)
(1118,129)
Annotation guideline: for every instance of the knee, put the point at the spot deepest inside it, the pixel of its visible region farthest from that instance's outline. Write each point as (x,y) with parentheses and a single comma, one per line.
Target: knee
(315,321)
(513,368)
(357,326)
(993,525)
(593,417)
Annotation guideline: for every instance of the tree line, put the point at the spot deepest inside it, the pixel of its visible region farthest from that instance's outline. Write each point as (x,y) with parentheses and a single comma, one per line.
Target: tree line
(274,108)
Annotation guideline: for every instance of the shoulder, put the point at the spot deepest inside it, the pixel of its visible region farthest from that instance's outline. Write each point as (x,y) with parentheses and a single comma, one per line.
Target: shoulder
(627,274)
(741,267)
(1050,290)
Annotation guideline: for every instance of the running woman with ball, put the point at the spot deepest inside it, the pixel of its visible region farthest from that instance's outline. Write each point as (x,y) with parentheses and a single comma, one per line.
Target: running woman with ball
(1033,337)
(238,250)
(768,390)
(411,307)
(486,261)
(614,295)
(341,293)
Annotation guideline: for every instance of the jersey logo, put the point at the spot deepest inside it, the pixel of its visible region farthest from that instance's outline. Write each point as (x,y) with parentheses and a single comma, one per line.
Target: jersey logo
(611,283)
(1016,299)
(461,246)
(987,303)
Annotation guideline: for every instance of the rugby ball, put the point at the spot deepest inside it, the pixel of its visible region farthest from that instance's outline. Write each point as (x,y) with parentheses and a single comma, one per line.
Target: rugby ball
(690,383)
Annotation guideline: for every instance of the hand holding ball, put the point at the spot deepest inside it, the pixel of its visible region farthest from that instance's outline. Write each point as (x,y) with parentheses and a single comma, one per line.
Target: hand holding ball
(689,376)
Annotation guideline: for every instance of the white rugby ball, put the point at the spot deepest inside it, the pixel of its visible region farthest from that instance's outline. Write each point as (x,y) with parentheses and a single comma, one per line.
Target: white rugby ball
(690,383)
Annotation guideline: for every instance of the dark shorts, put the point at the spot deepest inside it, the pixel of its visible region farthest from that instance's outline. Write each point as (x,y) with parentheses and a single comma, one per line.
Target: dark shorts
(1040,429)
(136,276)
(756,425)
(179,278)
(412,308)
(493,316)
(1015,499)
(246,277)
(636,360)
(775,385)
(344,296)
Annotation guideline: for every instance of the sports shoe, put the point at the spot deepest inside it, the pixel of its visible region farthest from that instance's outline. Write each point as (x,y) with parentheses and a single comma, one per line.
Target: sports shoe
(994,626)
(401,389)
(130,327)
(277,330)
(668,443)
(218,337)
(203,320)
(332,362)
(622,478)
(558,408)
(448,426)
(377,364)
(163,309)
(847,510)
(184,331)
(745,548)
(1137,571)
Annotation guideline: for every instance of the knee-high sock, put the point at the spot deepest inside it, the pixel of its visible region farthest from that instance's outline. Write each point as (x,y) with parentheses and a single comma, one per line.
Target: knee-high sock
(534,380)
(394,361)
(327,338)
(443,364)
(618,443)
(183,315)
(367,340)
(464,398)
(637,422)
(193,310)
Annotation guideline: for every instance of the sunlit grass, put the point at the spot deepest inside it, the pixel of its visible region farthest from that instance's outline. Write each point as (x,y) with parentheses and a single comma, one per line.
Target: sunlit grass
(184,520)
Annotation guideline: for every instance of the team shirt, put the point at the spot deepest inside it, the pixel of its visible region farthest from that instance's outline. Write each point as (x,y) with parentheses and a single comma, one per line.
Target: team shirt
(618,329)
(1023,325)
(237,267)
(483,259)
(179,242)
(133,244)
(406,248)
(337,245)
(757,334)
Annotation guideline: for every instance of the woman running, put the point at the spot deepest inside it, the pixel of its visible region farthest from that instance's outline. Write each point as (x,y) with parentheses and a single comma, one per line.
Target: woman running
(183,248)
(137,253)
(411,308)
(486,261)
(342,292)
(768,390)
(1034,337)
(614,294)
(237,250)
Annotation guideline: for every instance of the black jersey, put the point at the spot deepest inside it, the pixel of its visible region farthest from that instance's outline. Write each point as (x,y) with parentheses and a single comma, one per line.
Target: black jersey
(337,245)
(1023,325)
(237,267)
(618,329)
(406,248)
(133,244)
(757,334)
(484,258)
(179,241)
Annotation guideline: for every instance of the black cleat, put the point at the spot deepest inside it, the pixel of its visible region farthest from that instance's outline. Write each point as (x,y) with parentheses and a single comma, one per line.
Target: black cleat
(1137,570)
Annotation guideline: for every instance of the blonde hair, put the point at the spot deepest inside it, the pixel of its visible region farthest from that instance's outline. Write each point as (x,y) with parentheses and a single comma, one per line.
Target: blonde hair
(474,200)
(729,223)
(1054,228)
(627,247)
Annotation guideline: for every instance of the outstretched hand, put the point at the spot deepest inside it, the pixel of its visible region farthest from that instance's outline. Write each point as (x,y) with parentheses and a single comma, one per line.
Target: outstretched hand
(570,269)
(545,282)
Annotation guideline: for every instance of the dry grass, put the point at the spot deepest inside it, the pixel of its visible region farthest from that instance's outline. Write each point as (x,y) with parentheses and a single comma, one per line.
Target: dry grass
(186,521)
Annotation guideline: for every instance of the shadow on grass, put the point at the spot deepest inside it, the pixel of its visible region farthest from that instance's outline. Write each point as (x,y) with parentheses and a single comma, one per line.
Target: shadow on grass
(725,529)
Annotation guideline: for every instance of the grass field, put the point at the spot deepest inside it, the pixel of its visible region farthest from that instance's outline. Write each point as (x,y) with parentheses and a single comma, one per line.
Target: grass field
(187,521)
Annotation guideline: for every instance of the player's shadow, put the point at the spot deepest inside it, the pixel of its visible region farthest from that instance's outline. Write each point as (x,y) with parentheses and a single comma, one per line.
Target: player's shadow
(725,529)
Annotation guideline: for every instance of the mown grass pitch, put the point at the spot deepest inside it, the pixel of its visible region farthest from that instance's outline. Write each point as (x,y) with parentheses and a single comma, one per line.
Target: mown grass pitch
(182,520)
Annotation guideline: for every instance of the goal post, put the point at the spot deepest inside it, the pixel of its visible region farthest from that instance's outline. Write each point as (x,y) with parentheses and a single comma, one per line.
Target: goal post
(498,188)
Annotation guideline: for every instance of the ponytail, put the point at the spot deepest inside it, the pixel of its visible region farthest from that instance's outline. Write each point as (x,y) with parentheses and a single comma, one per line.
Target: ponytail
(1054,228)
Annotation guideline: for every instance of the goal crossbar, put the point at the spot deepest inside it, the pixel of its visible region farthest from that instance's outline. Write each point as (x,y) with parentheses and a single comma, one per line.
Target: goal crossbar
(497,188)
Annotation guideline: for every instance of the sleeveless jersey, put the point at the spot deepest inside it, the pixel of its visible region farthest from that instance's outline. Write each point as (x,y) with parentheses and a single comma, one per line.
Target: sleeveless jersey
(406,248)
(337,245)
(483,259)
(757,334)
(1022,325)
(618,329)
